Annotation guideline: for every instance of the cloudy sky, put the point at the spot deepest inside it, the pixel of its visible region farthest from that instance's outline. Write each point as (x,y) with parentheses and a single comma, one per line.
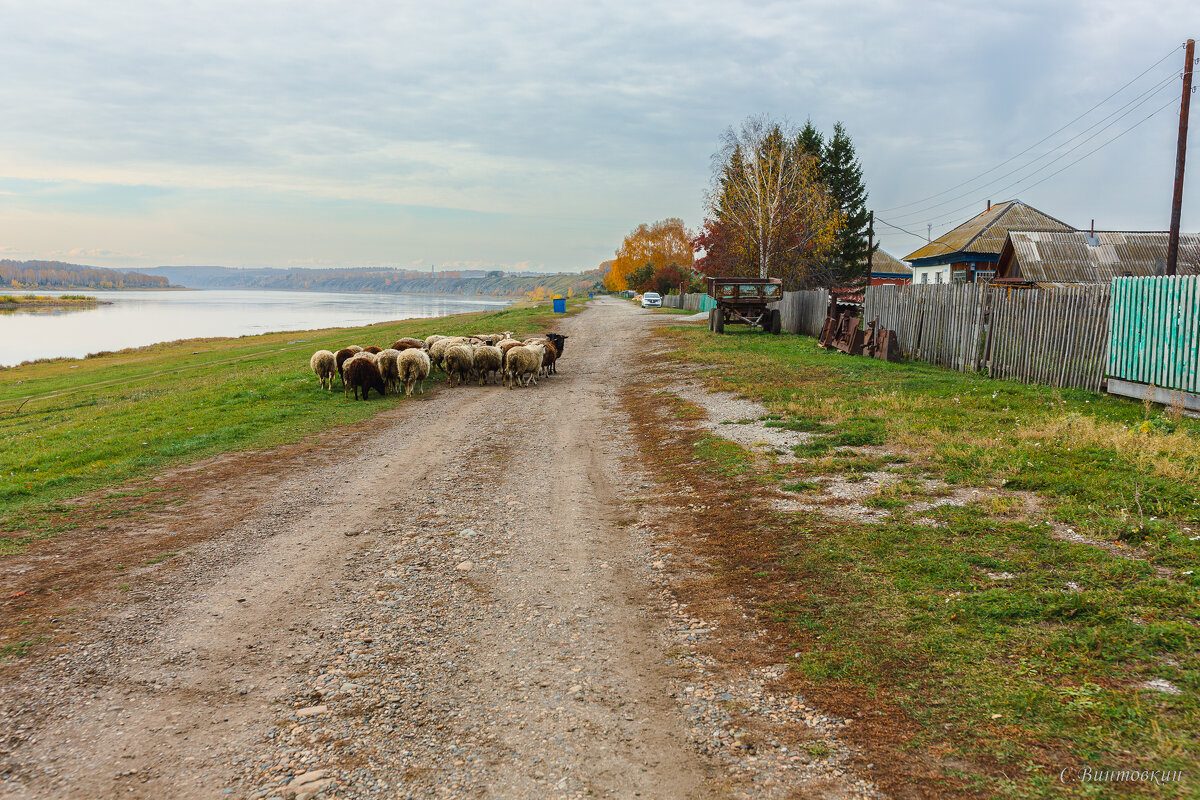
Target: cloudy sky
(535,135)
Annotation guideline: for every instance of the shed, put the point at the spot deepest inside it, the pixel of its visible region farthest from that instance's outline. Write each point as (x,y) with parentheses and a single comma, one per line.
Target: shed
(969,253)
(887,270)
(1042,257)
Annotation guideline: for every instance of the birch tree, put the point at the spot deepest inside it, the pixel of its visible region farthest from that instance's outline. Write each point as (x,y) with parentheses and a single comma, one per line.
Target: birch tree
(768,203)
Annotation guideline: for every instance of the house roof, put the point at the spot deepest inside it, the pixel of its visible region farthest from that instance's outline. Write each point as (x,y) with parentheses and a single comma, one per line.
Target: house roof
(884,263)
(985,233)
(1042,256)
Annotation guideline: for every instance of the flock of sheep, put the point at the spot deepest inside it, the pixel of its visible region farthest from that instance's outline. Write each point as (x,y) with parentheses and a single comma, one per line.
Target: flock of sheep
(408,362)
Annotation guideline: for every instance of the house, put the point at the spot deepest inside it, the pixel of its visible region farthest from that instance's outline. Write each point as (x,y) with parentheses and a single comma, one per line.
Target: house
(887,270)
(969,253)
(1040,257)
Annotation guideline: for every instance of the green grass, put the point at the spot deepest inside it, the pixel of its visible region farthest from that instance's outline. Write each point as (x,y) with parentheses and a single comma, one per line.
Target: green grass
(1024,672)
(99,422)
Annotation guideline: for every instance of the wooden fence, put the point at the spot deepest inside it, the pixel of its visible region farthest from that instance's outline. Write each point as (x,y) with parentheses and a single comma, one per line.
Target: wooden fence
(1056,337)
(1156,332)
(803,312)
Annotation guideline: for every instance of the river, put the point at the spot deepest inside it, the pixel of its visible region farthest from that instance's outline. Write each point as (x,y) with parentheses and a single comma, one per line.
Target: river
(138,317)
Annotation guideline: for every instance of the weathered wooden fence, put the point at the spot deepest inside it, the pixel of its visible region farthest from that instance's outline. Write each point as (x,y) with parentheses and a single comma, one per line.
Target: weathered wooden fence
(1056,336)
(1156,332)
(803,312)
(941,324)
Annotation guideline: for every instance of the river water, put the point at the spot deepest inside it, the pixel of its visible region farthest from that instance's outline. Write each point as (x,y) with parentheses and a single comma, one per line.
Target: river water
(145,317)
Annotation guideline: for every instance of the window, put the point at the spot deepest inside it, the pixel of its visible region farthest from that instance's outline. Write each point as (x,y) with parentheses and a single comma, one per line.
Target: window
(984,275)
(924,277)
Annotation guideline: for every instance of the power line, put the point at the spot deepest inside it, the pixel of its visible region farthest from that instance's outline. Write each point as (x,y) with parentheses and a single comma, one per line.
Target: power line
(902,230)
(1040,141)
(1136,102)
(1144,119)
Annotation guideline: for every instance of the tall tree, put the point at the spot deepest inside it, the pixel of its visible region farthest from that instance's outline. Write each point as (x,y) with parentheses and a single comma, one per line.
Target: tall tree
(769,213)
(842,173)
(811,141)
(664,244)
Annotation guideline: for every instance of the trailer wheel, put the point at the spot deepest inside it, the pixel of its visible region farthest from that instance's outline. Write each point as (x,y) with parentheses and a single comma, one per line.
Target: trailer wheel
(776,321)
(719,320)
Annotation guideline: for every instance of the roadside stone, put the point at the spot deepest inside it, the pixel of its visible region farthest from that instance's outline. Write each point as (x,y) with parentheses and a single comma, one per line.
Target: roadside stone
(311,711)
(465,566)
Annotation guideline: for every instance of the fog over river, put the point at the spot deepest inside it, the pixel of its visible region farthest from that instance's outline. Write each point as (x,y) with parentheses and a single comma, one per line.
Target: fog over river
(138,317)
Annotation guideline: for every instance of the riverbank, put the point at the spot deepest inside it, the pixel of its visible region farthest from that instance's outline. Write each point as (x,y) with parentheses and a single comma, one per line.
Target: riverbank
(73,426)
(29,302)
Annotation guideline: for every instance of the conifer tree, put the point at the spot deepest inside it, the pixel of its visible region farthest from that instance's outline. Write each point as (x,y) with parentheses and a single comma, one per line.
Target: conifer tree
(811,141)
(842,173)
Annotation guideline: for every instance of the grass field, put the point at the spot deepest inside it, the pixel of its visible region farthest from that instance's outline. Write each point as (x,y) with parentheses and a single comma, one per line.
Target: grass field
(71,426)
(1010,653)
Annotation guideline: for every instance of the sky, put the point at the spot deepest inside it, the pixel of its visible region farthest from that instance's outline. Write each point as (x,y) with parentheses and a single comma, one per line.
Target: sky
(536,135)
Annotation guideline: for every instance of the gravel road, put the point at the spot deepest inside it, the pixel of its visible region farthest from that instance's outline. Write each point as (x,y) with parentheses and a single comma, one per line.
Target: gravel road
(460,606)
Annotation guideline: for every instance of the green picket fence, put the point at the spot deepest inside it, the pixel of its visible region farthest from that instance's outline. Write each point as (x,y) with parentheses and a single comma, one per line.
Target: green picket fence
(1154,331)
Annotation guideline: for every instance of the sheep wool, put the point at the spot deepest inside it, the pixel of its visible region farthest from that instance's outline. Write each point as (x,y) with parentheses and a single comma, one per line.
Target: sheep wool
(360,372)
(488,359)
(389,369)
(324,365)
(414,369)
(459,363)
(523,363)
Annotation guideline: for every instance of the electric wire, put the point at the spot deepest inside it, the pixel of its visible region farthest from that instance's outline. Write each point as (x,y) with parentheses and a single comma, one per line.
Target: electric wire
(1159,110)
(1128,109)
(1040,141)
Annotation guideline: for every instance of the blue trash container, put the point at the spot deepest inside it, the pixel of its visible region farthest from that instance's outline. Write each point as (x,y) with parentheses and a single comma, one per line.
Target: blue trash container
(560,305)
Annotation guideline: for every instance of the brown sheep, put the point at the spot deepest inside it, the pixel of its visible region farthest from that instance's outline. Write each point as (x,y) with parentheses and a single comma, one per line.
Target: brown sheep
(407,343)
(372,349)
(341,357)
(361,373)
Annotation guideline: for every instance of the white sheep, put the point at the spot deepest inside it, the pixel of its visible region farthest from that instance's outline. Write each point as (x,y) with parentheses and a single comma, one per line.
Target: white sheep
(389,370)
(414,369)
(522,364)
(487,359)
(460,361)
(324,365)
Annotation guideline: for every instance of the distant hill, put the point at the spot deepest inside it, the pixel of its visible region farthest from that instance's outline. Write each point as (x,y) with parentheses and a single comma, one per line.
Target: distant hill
(59,275)
(470,282)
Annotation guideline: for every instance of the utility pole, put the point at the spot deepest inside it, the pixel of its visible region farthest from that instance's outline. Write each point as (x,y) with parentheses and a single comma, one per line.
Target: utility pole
(1181,156)
(870,245)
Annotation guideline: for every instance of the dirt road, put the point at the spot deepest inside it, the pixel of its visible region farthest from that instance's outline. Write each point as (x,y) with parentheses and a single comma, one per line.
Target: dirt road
(454,607)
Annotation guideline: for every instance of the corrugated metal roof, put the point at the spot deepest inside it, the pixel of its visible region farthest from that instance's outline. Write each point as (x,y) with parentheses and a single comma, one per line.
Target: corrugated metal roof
(886,263)
(1073,257)
(1069,257)
(985,233)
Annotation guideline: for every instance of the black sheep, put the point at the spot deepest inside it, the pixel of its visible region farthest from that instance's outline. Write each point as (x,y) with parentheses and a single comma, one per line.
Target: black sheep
(361,373)
(559,341)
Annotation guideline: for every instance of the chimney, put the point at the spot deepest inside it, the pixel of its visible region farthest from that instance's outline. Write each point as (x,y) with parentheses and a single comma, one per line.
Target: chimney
(1093,229)
(989,208)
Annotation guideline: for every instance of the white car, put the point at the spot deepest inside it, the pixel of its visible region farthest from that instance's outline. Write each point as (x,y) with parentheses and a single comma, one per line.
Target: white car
(651,300)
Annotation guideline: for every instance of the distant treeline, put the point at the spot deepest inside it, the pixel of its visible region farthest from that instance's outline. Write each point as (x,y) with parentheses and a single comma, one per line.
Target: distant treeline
(473,282)
(56,274)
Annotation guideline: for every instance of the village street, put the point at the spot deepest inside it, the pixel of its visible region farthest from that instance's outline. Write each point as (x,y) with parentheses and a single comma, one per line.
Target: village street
(459,604)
